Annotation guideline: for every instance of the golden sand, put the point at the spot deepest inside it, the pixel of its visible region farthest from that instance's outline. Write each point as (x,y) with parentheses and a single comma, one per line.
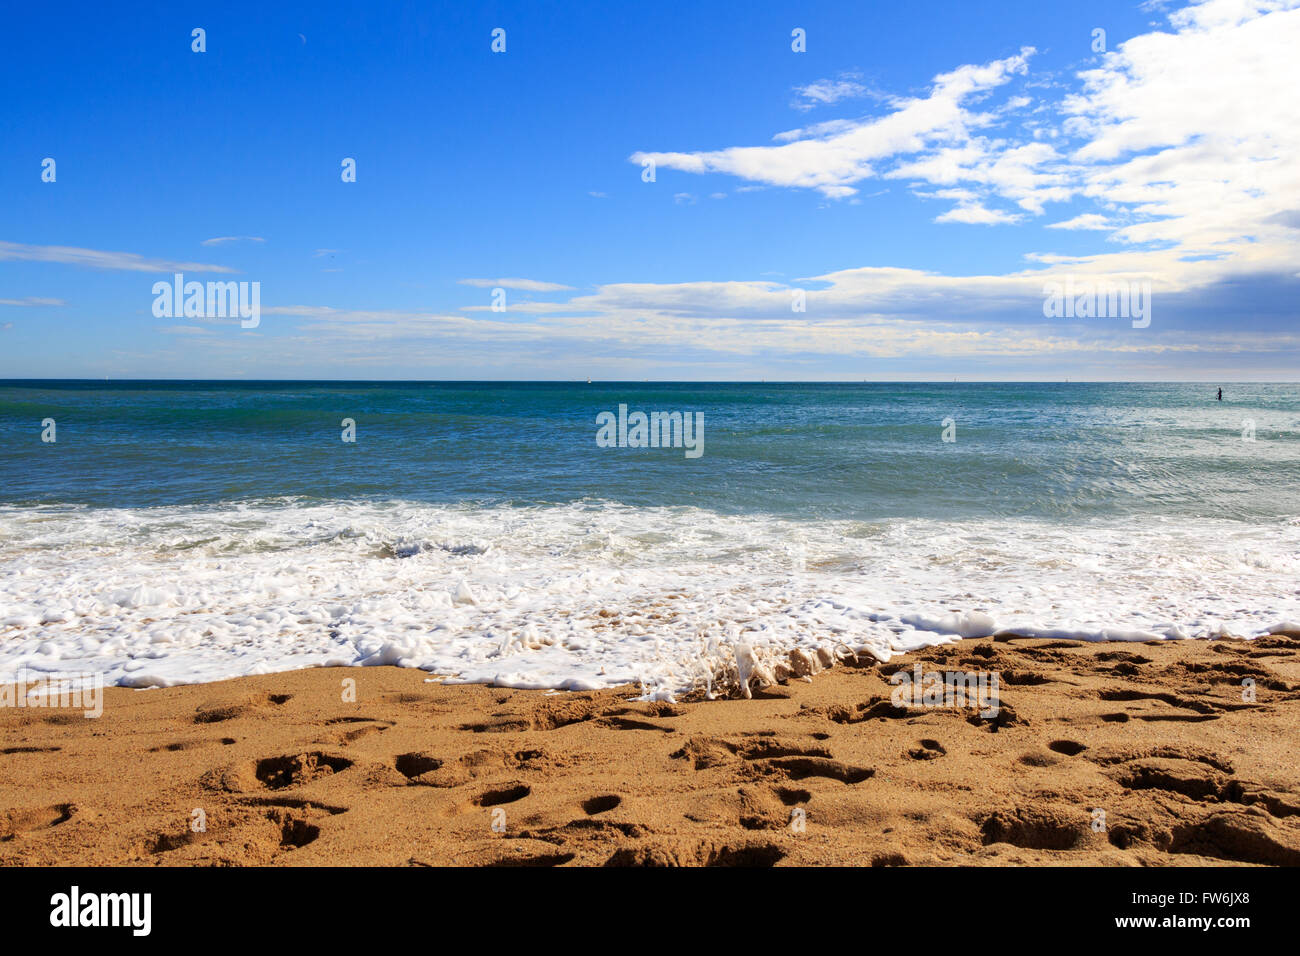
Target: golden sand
(1114,754)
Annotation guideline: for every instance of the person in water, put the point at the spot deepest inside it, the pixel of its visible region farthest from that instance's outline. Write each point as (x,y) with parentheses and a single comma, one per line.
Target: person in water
(1220,394)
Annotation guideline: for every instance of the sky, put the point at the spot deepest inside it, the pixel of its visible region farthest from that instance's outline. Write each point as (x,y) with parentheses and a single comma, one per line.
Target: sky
(668,191)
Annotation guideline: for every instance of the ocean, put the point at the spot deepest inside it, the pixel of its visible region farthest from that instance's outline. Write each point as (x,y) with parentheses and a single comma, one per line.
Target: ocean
(178,532)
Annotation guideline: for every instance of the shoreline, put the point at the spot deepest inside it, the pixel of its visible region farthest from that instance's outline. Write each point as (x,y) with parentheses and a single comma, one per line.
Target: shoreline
(1158,738)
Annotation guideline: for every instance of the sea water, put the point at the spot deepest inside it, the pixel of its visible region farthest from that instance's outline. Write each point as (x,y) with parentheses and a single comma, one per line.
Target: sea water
(178,532)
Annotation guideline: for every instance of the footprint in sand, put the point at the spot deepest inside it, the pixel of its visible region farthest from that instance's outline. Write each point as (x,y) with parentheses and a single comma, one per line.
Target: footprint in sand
(1068,747)
(929,750)
(212,713)
(602,804)
(246,835)
(30,819)
(801,768)
(501,795)
(414,765)
(276,773)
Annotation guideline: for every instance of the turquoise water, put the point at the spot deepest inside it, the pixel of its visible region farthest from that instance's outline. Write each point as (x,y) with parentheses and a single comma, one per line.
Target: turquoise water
(864,451)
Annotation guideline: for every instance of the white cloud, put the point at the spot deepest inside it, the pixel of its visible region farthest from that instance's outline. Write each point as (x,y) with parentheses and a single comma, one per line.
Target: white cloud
(1088,220)
(867,313)
(1194,132)
(825,92)
(220,239)
(32,300)
(95,259)
(975,214)
(1183,137)
(833,163)
(525,285)
(863,313)
(817,130)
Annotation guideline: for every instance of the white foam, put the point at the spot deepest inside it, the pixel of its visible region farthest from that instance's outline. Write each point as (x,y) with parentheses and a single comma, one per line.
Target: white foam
(962,623)
(592,594)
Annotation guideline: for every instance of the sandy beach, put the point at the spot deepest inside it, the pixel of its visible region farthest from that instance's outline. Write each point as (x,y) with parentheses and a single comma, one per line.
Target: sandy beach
(1100,754)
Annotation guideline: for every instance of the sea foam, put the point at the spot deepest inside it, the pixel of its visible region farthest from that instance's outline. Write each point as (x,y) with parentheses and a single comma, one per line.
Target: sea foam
(596,594)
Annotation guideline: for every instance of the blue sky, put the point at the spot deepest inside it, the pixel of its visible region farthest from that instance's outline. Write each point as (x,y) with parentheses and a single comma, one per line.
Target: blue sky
(919,173)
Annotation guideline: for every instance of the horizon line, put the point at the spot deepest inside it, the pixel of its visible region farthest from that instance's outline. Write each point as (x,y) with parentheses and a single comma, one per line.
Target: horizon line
(664,381)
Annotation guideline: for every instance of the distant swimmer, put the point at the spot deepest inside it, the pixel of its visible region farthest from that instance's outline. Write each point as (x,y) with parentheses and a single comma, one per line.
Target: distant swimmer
(1220,394)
